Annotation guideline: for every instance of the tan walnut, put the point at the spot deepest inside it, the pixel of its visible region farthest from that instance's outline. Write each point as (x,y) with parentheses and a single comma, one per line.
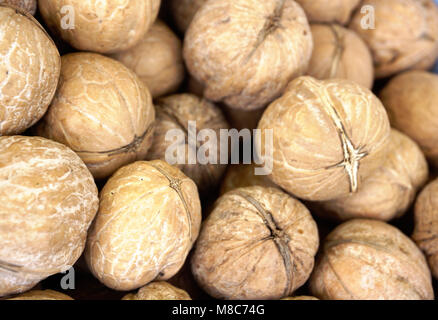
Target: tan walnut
(159,290)
(42,295)
(183,12)
(29,6)
(332,11)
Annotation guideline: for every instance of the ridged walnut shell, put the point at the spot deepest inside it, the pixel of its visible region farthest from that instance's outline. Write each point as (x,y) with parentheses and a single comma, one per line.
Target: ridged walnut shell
(405,34)
(174,113)
(340,53)
(48,199)
(29,70)
(148,220)
(328,136)
(42,295)
(159,290)
(426,224)
(103,26)
(29,6)
(391,189)
(102,111)
(157,60)
(411,100)
(258,243)
(370,260)
(245,52)
(332,11)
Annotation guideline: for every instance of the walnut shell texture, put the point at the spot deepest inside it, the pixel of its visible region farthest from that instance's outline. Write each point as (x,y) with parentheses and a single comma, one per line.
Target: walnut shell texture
(301,298)
(258,243)
(245,52)
(48,199)
(333,11)
(183,12)
(426,224)
(340,53)
(42,295)
(411,100)
(405,35)
(29,70)
(391,188)
(102,111)
(156,59)
(148,220)
(29,6)
(175,112)
(103,26)
(328,136)
(370,260)
(159,290)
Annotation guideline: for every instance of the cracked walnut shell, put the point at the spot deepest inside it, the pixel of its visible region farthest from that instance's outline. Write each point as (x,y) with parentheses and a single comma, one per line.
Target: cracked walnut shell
(370,260)
(159,290)
(257,243)
(328,136)
(148,220)
(332,11)
(29,6)
(244,52)
(29,70)
(48,199)
(102,111)
(405,35)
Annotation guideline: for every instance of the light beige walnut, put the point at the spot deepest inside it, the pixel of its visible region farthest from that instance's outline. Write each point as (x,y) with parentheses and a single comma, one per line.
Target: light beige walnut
(244,52)
(29,70)
(29,6)
(340,53)
(157,60)
(426,224)
(411,99)
(405,34)
(332,11)
(174,113)
(102,26)
(300,298)
(257,243)
(183,12)
(102,111)
(391,189)
(148,220)
(159,290)
(42,295)
(328,136)
(243,175)
(48,199)
(370,260)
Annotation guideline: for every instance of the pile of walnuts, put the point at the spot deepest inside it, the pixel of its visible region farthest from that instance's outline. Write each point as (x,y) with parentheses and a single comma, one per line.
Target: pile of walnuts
(346,112)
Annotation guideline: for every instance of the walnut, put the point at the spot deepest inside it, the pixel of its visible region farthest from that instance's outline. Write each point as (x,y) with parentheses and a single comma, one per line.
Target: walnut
(338,11)
(148,220)
(102,111)
(405,35)
(158,291)
(340,53)
(47,201)
(29,70)
(391,189)
(370,260)
(29,6)
(183,12)
(246,51)
(258,243)
(301,298)
(42,295)
(328,136)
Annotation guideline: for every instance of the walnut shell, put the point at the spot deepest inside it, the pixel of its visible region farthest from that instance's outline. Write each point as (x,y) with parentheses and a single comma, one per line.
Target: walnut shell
(158,291)
(370,260)
(48,199)
(340,53)
(102,26)
(175,112)
(300,298)
(29,70)
(183,12)
(243,175)
(102,111)
(258,243)
(391,189)
(29,6)
(42,295)
(148,220)
(405,34)
(328,136)
(157,60)
(338,11)
(411,99)
(246,51)
(426,224)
